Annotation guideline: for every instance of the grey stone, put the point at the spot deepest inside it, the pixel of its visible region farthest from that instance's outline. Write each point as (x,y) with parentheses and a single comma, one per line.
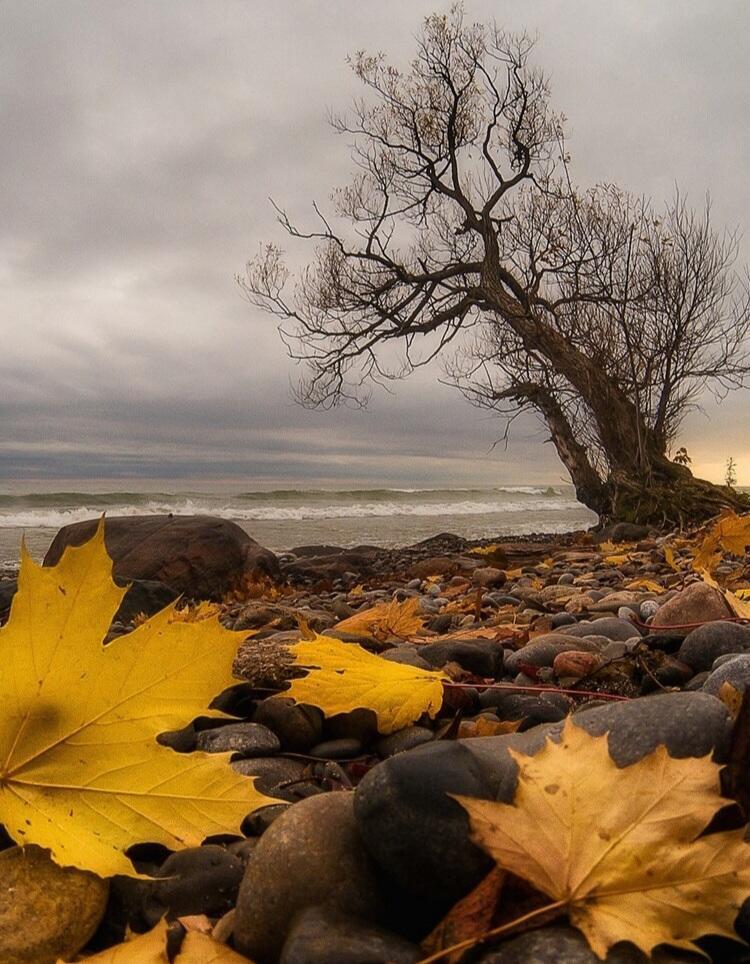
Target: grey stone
(542,651)
(247,739)
(320,935)
(270,773)
(402,740)
(703,645)
(609,626)
(199,880)
(343,749)
(312,855)
(736,672)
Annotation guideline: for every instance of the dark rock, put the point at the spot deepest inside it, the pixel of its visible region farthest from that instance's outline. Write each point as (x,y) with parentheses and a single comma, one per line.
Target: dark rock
(697,603)
(565,945)
(623,532)
(270,773)
(320,935)
(563,619)
(311,855)
(532,708)
(183,741)
(247,739)
(199,880)
(704,644)
(441,623)
(736,672)
(257,822)
(343,749)
(200,556)
(484,657)
(406,739)
(298,727)
(8,588)
(360,724)
(414,830)
(666,642)
(237,700)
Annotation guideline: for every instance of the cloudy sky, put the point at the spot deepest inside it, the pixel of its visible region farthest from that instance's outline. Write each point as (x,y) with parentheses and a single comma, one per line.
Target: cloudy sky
(140,143)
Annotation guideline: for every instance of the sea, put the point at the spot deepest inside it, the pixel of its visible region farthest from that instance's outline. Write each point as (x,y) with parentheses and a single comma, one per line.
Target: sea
(286,517)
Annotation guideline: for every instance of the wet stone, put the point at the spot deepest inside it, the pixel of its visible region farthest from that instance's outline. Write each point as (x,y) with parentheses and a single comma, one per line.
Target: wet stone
(245,739)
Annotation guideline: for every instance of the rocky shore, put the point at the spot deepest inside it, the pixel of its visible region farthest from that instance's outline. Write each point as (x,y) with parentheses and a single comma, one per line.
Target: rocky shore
(365,851)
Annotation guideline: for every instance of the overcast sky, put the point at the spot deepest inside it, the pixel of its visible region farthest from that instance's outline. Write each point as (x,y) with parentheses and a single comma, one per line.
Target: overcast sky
(140,143)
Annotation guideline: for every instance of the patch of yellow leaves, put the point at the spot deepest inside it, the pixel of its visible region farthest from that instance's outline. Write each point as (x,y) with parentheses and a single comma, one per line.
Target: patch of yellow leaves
(81,772)
(619,848)
(386,619)
(344,677)
(730,533)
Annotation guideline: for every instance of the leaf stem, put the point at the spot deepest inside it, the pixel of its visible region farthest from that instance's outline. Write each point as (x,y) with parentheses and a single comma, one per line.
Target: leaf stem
(495,932)
(518,688)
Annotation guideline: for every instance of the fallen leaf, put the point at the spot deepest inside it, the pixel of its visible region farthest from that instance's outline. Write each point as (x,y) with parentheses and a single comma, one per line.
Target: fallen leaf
(344,677)
(469,918)
(148,948)
(671,559)
(151,948)
(386,619)
(731,698)
(304,627)
(731,533)
(617,560)
(201,949)
(647,585)
(481,726)
(620,850)
(81,772)
(737,605)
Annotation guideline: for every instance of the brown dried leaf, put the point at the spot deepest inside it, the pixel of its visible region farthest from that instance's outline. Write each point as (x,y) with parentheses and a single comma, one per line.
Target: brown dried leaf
(386,619)
(469,919)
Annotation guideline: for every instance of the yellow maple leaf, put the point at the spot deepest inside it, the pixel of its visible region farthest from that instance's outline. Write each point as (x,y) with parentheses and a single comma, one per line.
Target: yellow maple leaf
(151,948)
(80,771)
(386,619)
(737,605)
(617,560)
(731,532)
(621,849)
(648,585)
(671,559)
(344,677)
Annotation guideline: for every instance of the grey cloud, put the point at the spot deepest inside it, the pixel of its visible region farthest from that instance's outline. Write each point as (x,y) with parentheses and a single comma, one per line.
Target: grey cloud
(140,144)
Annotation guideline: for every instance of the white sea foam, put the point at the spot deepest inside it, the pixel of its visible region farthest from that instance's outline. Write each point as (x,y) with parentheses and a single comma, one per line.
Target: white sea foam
(54,518)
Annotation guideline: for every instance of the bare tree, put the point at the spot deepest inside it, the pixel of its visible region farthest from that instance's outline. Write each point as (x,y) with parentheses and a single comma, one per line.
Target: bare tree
(605,318)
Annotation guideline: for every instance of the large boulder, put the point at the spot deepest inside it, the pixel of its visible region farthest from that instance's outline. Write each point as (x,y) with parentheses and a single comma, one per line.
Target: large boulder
(198,556)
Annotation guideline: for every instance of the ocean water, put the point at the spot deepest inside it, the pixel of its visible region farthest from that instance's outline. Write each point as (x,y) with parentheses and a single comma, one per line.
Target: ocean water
(283,518)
